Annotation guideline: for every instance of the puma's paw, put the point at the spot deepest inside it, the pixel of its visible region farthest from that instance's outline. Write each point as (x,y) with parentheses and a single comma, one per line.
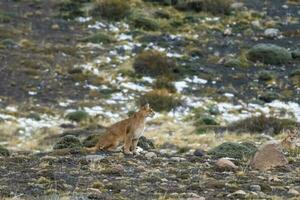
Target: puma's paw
(128,152)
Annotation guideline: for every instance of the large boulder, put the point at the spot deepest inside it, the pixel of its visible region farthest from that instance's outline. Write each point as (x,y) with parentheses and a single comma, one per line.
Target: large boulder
(268,156)
(269,54)
(233,150)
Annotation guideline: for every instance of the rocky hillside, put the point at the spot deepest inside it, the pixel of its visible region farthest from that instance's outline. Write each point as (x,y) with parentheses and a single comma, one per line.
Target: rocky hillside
(213,70)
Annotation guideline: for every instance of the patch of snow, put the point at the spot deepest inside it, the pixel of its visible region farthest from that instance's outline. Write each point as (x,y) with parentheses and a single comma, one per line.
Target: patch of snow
(83,19)
(196,79)
(135,87)
(32,93)
(123,36)
(229,95)
(180,85)
(11,108)
(148,79)
(174,55)
(97,25)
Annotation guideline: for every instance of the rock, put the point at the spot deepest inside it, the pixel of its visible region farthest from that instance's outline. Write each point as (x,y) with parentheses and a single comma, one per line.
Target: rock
(94,158)
(268,156)
(150,155)
(255,188)
(69,142)
(145,144)
(293,192)
(238,194)
(271,32)
(237,6)
(296,54)
(232,150)
(269,54)
(225,164)
(177,159)
(199,152)
(4,151)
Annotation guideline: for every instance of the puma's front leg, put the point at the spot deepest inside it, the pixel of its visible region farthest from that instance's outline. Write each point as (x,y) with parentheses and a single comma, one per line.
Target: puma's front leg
(134,145)
(128,144)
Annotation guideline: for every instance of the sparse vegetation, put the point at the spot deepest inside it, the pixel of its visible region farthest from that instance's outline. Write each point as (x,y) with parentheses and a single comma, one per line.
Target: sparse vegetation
(77,116)
(154,63)
(142,21)
(160,100)
(99,37)
(263,124)
(68,142)
(233,150)
(164,83)
(112,9)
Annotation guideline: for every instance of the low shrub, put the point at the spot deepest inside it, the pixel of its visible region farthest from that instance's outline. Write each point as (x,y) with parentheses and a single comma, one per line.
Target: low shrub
(99,37)
(77,116)
(160,100)
(112,9)
(154,63)
(164,83)
(212,6)
(144,22)
(263,124)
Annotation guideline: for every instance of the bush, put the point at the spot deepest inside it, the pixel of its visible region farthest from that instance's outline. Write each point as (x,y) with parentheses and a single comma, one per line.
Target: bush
(233,150)
(212,6)
(99,38)
(112,9)
(144,22)
(4,151)
(70,9)
(263,124)
(269,54)
(77,116)
(153,63)
(266,76)
(68,142)
(164,83)
(160,100)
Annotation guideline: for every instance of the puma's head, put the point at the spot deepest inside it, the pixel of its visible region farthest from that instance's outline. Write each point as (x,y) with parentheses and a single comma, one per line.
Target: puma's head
(293,135)
(147,111)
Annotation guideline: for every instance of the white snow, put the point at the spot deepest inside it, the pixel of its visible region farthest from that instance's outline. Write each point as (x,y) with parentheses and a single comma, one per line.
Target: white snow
(135,87)
(180,85)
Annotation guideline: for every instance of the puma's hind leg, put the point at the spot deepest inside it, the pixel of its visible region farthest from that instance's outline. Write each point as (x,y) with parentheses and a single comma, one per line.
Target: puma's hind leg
(128,144)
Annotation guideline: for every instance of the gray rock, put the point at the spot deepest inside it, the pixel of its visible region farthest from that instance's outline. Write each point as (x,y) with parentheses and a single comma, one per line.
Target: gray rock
(150,155)
(269,54)
(271,32)
(199,152)
(145,143)
(95,158)
(255,188)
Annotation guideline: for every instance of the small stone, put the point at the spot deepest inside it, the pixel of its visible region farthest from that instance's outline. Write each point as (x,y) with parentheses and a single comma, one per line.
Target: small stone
(293,192)
(150,155)
(199,152)
(225,164)
(95,158)
(255,188)
(238,194)
(271,32)
(55,27)
(237,6)
(177,159)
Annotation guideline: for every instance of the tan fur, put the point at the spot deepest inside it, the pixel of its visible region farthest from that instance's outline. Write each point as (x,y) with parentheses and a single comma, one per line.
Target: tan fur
(126,132)
(289,142)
